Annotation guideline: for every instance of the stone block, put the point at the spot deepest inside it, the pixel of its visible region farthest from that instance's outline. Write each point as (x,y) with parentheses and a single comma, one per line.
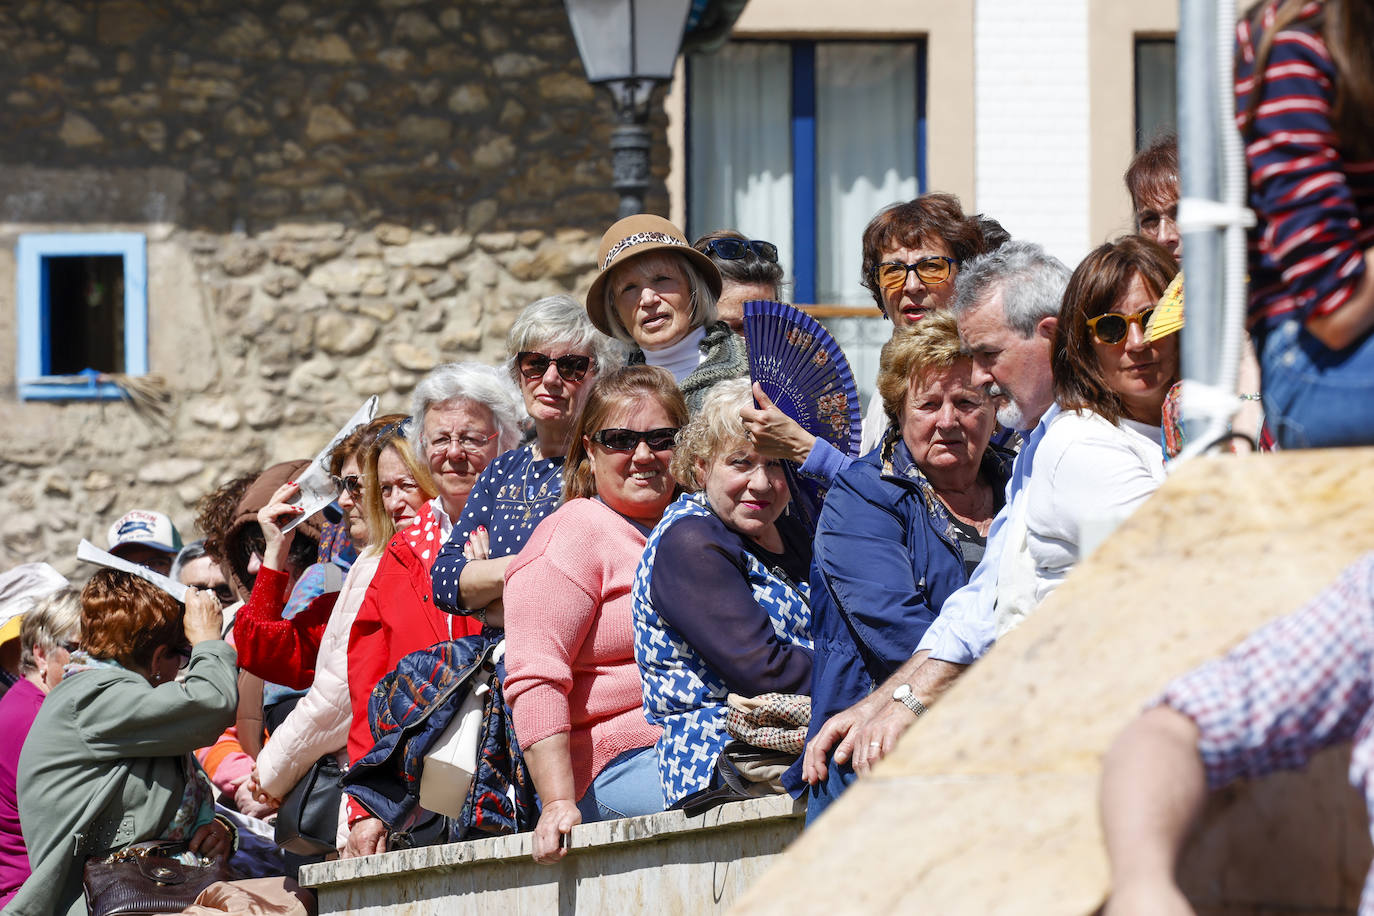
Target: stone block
(369,377)
(240,258)
(325,123)
(344,335)
(989,803)
(468,99)
(346,277)
(321,49)
(513,65)
(170,470)
(392,234)
(424,131)
(412,357)
(216,414)
(429,252)
(415,26)
(78,131)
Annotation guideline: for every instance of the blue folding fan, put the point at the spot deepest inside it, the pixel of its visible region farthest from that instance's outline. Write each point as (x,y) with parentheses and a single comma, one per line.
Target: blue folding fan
(799,365)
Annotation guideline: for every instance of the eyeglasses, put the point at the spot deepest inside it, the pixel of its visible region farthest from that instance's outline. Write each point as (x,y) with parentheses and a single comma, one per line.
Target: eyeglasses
(738,249)
(70,646)
(663,439)
(1111,328)
(352,483)
(572,368)
(931,271)
(224,593)
(183,657)
(472,443)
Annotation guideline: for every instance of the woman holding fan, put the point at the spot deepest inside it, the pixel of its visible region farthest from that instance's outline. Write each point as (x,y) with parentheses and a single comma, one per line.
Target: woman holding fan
(901,529)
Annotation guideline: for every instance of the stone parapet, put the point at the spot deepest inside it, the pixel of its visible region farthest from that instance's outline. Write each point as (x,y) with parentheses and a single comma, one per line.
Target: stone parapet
(661,863)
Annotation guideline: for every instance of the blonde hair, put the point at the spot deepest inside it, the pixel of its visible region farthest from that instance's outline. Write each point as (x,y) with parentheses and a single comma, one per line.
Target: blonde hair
(713,430)
(380,527)
(702,299)
(913,352)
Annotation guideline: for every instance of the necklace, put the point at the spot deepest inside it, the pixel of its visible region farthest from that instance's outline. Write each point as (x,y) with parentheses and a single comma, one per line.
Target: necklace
(529,499)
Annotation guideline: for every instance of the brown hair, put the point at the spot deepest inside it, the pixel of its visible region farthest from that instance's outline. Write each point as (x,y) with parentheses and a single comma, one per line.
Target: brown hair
(928,218)
(912,352)
(125,618)
(1100,281)
(1347,28)
(610,393)
(393,435)
(1153,172)
(216,512)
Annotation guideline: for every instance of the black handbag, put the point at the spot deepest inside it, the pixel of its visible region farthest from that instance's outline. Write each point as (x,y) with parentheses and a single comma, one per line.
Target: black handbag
(308,820)
(144,880)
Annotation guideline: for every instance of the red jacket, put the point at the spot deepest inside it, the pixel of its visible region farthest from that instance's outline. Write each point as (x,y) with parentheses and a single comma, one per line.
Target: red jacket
(397,617)
(276,650)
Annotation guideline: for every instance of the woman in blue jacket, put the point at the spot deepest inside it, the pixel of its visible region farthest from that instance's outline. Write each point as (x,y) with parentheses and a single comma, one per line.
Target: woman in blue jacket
(903,527)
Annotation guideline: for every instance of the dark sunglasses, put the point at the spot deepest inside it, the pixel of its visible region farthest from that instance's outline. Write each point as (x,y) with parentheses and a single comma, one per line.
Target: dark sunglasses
(663,439)
(571,368)
(1111,328)
(352,483)
(932,271)
(70,646)
(738,249)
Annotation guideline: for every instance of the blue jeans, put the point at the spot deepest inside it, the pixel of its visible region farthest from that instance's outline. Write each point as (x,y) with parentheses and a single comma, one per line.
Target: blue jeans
(628,786)
(1315,397)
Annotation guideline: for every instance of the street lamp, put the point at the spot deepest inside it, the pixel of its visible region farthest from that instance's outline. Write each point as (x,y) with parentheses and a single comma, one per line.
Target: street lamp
(629,45)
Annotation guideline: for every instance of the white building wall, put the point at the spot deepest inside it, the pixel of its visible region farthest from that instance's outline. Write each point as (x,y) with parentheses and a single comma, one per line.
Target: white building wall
(1031,104)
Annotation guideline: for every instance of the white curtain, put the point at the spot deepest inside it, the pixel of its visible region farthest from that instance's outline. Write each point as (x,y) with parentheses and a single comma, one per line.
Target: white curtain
(740,162)
(865,154)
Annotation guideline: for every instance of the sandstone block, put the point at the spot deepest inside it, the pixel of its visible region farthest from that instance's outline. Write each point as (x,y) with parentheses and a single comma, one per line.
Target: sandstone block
(514,64)
(307,232)
(413,25)
(78,131)
(380,309)
(468,99)
(325,123)
(496,241)
(435,252)
(392,234)
(415,358)
(170,470)
(321,49)
(345,277)
(565,87)
(344,335)
(264,413)
(98,480)
(242,258)
(424,131)
(493,154)
(216,414)
(398,60)
(369,377)
(466,340)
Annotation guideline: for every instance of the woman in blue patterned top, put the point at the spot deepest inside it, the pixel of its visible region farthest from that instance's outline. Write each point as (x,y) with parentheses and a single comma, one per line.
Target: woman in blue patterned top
(720,598)
(555,355)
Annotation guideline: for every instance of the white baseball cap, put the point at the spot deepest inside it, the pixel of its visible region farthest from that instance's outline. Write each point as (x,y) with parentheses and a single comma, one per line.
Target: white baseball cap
(146,527)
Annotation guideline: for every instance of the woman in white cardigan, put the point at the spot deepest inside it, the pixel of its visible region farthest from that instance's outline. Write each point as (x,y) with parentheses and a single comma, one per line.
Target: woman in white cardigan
(319,723)
(1101,456)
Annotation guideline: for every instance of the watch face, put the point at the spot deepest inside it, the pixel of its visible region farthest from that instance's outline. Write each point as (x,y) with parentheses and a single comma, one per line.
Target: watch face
(902,692)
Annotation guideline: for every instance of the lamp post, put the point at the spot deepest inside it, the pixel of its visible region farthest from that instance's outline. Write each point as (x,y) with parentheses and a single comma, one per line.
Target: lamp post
(629,46)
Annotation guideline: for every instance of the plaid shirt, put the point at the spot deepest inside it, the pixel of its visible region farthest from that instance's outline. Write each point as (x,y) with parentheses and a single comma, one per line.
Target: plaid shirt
(1297,685)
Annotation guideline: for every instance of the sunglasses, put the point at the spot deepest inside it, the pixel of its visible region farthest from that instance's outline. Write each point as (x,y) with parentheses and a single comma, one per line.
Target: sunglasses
(663,439)
(571,368)
(931,271)
(70,646)
(1111,328)
(352,483)
(738,249)
(183,657)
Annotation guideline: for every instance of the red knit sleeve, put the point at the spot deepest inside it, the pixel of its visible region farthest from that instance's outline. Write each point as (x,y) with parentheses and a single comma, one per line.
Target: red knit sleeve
(276,650)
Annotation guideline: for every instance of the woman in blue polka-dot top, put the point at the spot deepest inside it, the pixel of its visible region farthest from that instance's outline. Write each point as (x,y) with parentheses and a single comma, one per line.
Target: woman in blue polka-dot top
(555,355)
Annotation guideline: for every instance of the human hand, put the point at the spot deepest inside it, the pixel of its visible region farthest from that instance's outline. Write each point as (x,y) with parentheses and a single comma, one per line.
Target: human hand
(251,800)
(272,517)
(204,618)
(773,433)
(558,818)
(478,546)
(212,841)
(365,838)
(876,738)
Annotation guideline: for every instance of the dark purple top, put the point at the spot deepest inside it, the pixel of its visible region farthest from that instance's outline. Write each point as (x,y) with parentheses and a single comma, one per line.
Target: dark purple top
(18,709)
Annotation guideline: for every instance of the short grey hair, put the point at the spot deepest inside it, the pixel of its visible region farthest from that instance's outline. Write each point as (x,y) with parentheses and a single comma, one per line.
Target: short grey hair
(703,300)
(1031,279)
(53,620)
(474,382)
(712,429)
(192,551)
(560,320)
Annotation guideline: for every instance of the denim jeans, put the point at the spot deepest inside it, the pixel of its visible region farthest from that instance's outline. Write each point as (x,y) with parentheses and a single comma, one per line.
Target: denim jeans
(1315,397)
(628,786)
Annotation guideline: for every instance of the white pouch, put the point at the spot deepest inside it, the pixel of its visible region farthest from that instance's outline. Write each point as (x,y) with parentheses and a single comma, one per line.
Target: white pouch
(451,763)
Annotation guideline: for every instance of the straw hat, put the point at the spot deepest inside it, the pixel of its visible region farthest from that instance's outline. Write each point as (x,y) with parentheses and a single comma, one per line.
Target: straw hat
(1168,313)
(629,238)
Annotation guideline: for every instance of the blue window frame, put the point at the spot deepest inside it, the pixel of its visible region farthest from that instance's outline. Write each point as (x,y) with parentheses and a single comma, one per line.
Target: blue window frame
(801,142)
(59,338)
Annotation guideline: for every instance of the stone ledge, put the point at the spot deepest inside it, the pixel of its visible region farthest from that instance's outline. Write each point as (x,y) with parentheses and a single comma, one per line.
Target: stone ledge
(586,838)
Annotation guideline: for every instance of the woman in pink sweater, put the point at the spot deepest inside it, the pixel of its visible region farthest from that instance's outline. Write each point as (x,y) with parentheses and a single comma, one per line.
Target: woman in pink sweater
(572,682)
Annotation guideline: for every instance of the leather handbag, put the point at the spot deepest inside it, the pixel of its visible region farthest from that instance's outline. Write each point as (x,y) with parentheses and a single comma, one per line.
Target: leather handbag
(145,880)
(308,820)
(452,762)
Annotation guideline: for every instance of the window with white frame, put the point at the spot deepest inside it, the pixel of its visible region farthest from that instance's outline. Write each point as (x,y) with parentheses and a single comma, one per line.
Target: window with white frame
(801,143)
(82,313)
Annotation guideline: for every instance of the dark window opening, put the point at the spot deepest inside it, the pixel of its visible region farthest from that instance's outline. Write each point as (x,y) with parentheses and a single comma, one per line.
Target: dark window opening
(85,312)
(1156,89)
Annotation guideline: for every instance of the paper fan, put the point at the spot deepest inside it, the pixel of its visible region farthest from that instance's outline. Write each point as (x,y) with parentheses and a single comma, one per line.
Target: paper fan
(804,371)
(1168,314)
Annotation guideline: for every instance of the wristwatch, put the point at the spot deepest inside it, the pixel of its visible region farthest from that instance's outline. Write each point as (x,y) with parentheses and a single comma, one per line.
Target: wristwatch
(903,695)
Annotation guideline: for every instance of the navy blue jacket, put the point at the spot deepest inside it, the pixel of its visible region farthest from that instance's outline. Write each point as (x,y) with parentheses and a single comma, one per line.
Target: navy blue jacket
(885,560)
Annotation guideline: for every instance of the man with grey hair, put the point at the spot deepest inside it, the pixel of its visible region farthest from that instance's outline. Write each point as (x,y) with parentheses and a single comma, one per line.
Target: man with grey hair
(1007,305)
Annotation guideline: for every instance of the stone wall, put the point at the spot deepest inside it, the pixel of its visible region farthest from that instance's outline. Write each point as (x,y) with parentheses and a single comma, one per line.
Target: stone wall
(336,198)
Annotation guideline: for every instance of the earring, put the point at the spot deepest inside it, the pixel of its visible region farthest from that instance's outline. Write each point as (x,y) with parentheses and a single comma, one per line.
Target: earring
(157,676)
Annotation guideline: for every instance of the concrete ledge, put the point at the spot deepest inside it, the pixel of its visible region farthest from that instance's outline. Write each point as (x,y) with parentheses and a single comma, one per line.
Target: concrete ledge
(668,861)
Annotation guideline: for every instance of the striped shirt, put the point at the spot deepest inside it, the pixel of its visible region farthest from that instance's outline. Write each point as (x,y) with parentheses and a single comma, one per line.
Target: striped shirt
(1315,207)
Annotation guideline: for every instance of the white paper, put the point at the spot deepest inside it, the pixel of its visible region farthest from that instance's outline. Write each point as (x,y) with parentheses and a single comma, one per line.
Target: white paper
(93,554)
(316,489)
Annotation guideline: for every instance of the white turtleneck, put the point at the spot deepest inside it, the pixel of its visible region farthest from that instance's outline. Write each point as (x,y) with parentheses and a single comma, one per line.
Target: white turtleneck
(679,358)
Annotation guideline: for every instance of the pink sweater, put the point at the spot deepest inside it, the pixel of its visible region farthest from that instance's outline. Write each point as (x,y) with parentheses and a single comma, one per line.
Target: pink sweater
(570,663)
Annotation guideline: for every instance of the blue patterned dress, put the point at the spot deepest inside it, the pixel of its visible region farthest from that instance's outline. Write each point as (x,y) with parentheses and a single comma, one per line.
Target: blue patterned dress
(686,695)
